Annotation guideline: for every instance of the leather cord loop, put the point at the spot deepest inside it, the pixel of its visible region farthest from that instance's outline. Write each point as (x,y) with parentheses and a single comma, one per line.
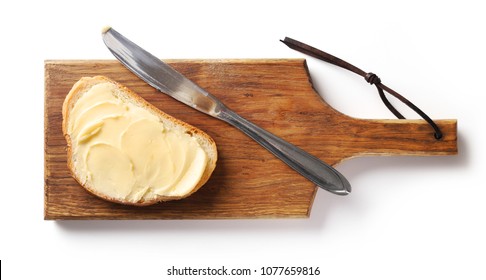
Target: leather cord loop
(373,79)
(370,77)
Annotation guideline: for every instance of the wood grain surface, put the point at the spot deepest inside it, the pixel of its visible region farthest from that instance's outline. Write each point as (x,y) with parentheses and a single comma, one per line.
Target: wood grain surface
(248,181)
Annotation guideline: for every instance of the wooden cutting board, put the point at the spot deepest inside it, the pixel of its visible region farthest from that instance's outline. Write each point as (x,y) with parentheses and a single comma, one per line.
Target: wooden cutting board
(248,181)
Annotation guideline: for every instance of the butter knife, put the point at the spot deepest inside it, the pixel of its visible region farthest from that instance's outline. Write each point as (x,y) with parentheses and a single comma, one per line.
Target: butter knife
(167,80)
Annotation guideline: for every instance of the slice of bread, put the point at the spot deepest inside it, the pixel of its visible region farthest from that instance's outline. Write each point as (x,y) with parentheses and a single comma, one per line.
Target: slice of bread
(105,163)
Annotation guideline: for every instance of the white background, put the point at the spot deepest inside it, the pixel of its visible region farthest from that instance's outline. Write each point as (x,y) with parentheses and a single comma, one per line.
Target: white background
(407,217)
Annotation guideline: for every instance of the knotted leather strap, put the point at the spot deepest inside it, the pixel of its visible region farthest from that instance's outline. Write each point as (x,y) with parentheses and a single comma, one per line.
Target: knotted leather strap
(371,78)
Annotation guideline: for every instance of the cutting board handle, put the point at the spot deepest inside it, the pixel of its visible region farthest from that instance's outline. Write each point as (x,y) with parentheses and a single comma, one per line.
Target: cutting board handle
(399,137)
(354,137)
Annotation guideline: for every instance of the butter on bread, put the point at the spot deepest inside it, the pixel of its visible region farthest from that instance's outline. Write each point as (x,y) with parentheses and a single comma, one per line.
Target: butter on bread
(123,149)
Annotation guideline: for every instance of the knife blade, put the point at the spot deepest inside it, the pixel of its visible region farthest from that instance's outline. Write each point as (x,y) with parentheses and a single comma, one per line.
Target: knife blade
(164,78)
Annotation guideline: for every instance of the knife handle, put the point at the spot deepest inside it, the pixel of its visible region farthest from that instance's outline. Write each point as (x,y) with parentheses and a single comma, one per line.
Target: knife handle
(312,168)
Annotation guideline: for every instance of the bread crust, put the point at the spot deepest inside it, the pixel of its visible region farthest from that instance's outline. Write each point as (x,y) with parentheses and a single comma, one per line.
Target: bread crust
(205,141)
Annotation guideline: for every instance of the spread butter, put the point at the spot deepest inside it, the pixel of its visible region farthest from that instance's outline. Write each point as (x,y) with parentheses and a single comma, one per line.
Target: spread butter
(128,152)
